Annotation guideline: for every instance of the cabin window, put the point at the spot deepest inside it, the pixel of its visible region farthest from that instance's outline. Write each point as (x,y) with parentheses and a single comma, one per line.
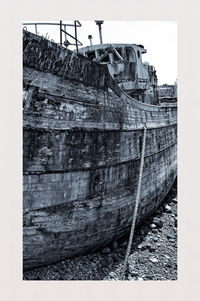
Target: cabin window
(127,50)
(119,51)
(91,55)
(106,59)
(115,57)
(138,53)
(100,52)
(130,54)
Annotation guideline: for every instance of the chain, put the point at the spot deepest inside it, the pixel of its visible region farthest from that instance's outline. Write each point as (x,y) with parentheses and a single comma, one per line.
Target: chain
(124,268)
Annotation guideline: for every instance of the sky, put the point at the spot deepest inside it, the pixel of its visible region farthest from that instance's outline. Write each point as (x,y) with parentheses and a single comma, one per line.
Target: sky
(159,38)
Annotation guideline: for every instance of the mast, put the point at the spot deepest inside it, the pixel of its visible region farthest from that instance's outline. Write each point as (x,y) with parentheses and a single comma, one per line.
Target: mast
(99,23)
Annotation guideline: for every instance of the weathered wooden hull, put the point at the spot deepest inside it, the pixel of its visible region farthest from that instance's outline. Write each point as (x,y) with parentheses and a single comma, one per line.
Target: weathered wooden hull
(82,146)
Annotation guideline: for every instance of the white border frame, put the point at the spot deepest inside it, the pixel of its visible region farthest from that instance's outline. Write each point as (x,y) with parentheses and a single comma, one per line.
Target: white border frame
(187,15)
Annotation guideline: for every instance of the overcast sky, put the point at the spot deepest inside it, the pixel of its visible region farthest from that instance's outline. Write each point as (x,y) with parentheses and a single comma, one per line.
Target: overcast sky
(158,37)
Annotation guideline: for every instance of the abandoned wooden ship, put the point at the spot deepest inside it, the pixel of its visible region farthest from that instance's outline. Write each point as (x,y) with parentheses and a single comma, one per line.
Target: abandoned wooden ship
(83,122)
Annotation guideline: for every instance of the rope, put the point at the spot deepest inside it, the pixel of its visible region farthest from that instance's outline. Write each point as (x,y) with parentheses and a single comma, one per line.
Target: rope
(136,207)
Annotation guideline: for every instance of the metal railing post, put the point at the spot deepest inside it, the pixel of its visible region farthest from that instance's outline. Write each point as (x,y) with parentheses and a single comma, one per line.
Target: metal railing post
(76,36)
(60,33)
(65,34)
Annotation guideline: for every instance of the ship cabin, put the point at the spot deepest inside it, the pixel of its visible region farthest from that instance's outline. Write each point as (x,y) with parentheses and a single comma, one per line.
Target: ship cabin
(124,62)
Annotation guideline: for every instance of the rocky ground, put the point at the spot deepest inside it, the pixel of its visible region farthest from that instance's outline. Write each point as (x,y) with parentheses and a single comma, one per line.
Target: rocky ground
(153,255)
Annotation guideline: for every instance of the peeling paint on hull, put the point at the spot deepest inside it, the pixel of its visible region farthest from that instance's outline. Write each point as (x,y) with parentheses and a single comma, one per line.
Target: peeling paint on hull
(82,147)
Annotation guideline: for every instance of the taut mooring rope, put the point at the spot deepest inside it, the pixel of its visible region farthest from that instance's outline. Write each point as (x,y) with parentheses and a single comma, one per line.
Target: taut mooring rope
(136,207)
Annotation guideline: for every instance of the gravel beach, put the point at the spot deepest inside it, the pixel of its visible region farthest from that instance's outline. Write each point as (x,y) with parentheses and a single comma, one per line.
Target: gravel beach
(153,255)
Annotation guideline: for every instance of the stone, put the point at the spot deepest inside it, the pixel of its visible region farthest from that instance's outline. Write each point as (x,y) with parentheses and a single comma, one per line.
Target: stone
(130,267)
(140,260)
(141,247)
(171,236)
(152,249)
(153,226)
(140,279)
(154,230)
(167,256)
(123,244)
(149,277)
(69,276)
(168,209)
(158,222)
(155,239)
(105,251)
(106,262)
(114,245)
(109,261)
(134,273)
(142,232)
(153,259)
(121,255)
(148,246)
(112,274)
(93,264)
(115,257)
(160,210)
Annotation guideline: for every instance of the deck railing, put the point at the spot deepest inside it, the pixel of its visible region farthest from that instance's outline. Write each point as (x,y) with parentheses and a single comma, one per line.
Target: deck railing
(62,29)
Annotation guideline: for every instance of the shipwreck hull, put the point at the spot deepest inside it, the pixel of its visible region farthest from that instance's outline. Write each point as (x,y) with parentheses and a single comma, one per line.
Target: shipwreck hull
(78,226)
(82,146)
